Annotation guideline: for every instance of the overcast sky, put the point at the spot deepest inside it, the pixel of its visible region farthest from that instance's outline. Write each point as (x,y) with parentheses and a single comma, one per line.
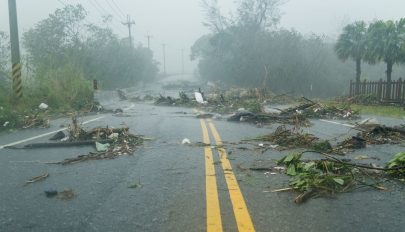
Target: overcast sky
(178,23)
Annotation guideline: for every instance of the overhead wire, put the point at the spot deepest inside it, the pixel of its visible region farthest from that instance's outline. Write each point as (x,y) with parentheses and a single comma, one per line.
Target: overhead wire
(119,9)
(103,12)
(115,11)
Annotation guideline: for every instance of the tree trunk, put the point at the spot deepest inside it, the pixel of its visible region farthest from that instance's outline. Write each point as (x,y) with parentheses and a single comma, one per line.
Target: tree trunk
(358,74)
(389,72)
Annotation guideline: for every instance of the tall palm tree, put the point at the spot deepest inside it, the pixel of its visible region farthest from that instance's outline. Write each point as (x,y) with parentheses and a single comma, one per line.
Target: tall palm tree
(352,44)
(385,41)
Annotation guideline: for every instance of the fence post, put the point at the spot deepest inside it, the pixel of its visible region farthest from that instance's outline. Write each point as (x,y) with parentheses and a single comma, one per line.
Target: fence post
(379,90)
(363,89)
(399,89)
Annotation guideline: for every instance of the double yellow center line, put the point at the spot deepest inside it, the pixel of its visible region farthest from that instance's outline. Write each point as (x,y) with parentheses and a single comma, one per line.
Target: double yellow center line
(214,221)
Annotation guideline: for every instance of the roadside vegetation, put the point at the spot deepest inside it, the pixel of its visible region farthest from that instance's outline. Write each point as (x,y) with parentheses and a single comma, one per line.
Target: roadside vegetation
(63,55)
(249,49)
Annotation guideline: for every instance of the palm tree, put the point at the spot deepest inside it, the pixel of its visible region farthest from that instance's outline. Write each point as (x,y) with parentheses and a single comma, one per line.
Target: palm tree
(385,41)
(352,44)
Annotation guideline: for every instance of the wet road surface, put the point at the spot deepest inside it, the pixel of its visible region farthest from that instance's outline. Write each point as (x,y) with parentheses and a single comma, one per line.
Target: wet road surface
(179,187)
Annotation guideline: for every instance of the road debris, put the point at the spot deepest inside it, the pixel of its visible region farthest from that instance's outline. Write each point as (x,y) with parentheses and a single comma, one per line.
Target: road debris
(122,95)
(374,134)
(43,106)
(183,100)
(110,143)
(199,98)
(102,147)
(330,175)
(66,195)
(58,136)
(50,192)
(186,141)
(396,163)
(37,178)
(35,120)
(288,139)
(205,115)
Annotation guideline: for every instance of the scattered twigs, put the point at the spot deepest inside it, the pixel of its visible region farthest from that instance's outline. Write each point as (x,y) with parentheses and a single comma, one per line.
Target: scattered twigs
(37,178)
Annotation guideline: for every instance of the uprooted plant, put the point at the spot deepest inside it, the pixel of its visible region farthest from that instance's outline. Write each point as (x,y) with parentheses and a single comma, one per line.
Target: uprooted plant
(329,175)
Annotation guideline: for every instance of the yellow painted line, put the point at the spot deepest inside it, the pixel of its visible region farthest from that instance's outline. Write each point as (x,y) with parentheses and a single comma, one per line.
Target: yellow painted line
(242,216)
(214,222)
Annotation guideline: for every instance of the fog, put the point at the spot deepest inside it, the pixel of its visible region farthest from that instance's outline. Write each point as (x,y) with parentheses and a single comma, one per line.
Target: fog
(178,23)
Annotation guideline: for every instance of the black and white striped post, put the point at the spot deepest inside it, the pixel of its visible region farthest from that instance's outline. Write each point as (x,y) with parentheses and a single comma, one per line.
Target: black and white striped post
(15,50)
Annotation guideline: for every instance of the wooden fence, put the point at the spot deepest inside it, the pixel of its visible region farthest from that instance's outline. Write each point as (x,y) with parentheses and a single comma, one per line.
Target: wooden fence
(379,89)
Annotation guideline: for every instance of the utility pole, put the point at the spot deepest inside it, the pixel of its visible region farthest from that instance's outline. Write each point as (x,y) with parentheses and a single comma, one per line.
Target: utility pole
(164,58)
(182,61)
(129,24)
(15,50)
(149,37)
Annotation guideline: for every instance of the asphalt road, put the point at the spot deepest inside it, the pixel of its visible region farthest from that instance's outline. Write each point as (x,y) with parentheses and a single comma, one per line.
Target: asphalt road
(179,188)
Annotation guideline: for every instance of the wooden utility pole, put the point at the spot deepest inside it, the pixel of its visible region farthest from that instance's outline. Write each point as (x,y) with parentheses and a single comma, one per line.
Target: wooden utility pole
(15,50)
(164,58)
(149,37)
(129,24)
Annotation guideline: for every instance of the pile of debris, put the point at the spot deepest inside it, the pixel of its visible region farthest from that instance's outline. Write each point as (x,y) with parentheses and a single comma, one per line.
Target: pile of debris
(374,134)
(316,110)
(183,100)
(109,143)
(38,119)
(329,175)
(289,139)
(297,115)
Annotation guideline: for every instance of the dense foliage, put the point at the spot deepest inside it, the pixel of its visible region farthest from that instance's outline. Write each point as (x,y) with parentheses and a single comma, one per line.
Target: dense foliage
(248,50)
(63,54)
(64,38)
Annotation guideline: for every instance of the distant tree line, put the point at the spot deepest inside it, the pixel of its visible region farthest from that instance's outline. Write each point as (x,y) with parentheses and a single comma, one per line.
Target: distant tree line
(64,38)
(248,50)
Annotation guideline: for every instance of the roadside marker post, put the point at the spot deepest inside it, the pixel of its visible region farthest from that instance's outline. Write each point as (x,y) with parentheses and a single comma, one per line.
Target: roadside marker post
(15,50)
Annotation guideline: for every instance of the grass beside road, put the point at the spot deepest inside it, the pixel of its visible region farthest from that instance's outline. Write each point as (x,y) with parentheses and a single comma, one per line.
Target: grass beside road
(378,110)
(63,90)
(387,111)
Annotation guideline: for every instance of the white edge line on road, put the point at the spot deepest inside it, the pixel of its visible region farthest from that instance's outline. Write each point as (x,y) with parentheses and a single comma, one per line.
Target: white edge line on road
(338,123)
(46,134)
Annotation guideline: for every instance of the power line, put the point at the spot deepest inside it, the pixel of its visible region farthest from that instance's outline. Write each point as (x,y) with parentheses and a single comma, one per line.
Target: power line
(115,11)
(119,9)
(100,7)
(96,7)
